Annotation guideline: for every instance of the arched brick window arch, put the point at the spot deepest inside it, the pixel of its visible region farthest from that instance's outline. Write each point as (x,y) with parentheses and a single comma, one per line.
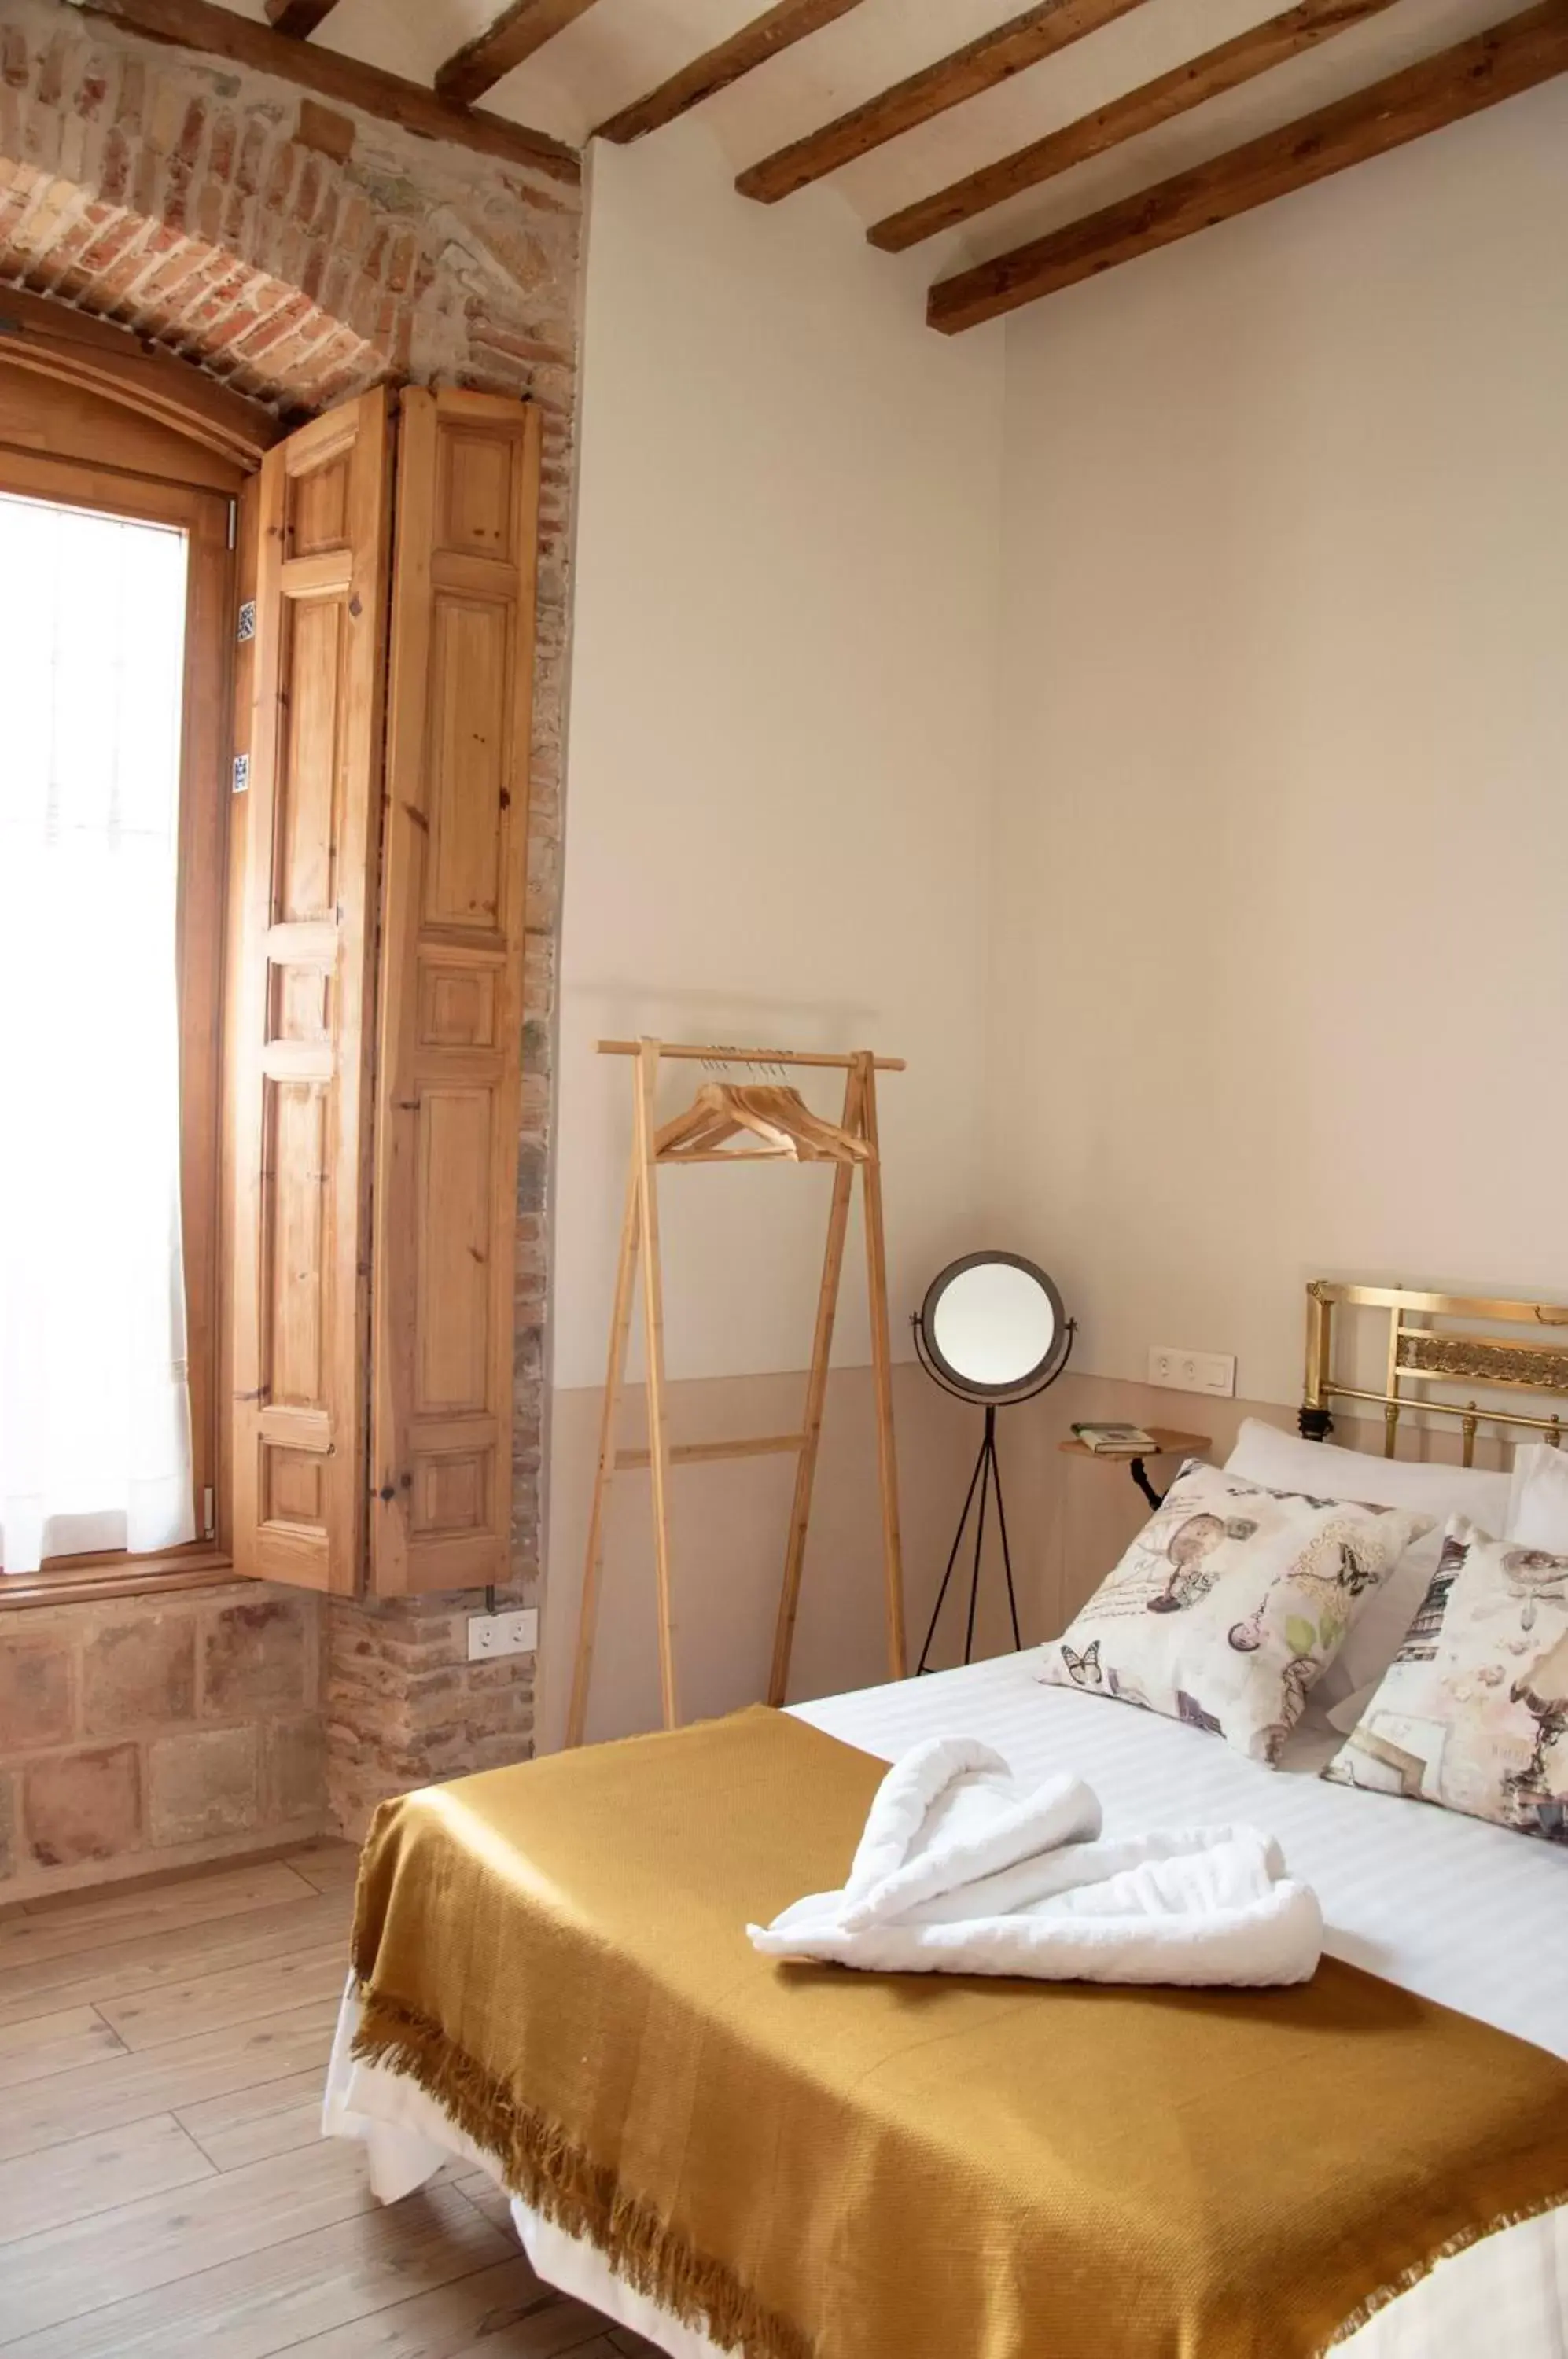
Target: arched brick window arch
(298,253)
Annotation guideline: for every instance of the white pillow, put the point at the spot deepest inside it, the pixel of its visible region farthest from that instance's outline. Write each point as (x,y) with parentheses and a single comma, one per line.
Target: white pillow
(1228,1605)
(1286,1462)
(1538,1500)
(1265,1454)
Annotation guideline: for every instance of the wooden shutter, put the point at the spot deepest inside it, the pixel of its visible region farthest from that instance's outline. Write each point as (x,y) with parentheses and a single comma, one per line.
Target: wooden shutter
(299,1096)
(450,1062)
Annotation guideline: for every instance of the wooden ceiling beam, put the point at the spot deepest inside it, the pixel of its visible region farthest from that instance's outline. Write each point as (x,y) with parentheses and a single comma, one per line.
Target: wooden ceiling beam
(1512,56)
(515,34)
(979,65)
(297,18)
(714,71)
(199,25)
(1256,52)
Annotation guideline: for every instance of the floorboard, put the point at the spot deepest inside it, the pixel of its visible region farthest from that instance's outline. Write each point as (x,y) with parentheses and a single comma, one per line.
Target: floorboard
(247,2125)
(158,2239)
(88,2175)
(486,2198)
(329,1866)
(498,2314)
(283,2295)
(81,1923)
(47,2044)
(179,2010)
(165,2191)
(119,1969)
(127,2088)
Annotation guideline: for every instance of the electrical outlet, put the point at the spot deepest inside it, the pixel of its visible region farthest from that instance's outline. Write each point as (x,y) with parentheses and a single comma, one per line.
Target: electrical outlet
(503,1633)
(1191,1372)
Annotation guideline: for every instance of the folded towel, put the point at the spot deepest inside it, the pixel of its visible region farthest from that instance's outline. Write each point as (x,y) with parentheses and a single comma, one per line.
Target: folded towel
(961,1870)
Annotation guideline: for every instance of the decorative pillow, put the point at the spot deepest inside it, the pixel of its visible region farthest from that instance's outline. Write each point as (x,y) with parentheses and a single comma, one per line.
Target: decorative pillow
(1229,1603)
(1430,1488)
(1472,1712)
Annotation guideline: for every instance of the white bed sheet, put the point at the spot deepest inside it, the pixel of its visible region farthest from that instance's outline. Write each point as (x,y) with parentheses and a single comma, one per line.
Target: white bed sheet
(1464,1913)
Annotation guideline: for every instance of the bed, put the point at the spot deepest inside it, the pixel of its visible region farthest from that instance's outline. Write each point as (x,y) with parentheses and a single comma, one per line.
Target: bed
(1462,1913)
(1387,1874)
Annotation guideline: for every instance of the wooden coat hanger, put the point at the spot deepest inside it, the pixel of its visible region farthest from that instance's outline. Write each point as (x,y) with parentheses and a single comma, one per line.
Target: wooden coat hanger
(779,1126)
(778,1117)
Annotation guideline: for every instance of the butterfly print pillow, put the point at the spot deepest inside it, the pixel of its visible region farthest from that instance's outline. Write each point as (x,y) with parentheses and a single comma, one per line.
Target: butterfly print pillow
(1471,1713)
(1229,1604)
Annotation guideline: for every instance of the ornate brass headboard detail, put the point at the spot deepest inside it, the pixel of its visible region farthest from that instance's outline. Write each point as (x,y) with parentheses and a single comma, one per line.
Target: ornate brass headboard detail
(1422,1353)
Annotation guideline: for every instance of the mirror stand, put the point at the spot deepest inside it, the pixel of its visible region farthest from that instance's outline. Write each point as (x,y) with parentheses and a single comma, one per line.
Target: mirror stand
(991,1330)
(987,1475)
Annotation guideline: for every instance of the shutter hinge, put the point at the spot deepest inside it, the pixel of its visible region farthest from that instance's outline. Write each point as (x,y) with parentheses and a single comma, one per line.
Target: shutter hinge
(234,522)
(209,1513)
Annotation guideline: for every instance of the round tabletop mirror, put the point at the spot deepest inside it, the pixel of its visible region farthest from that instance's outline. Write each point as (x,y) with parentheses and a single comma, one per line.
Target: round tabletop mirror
(994,1325)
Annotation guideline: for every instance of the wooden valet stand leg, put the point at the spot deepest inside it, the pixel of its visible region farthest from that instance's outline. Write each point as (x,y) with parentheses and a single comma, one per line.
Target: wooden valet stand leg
(882,1369)
(816,1401)
(614,1380)
(653,1323)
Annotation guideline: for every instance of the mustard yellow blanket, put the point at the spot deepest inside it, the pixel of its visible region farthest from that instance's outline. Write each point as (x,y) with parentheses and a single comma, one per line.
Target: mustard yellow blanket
(807,2161)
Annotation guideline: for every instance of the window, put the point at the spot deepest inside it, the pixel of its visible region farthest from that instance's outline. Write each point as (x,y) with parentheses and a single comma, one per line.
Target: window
(111,691)
(324,1108)
(94,1411)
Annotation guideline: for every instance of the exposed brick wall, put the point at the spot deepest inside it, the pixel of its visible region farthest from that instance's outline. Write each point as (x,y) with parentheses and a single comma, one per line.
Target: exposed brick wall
(405,1706)
(148,1732)
(298,252)
(302,253)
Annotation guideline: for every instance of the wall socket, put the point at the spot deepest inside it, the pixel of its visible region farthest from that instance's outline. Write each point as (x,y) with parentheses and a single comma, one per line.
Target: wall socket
(503,1633)
(1191,1372)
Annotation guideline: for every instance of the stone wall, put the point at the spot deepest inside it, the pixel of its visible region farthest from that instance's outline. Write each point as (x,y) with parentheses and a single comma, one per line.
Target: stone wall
(301,254)
(405,1706)
(149,1732)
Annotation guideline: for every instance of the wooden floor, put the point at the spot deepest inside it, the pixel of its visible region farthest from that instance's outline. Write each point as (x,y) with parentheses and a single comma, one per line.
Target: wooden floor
(164,2187)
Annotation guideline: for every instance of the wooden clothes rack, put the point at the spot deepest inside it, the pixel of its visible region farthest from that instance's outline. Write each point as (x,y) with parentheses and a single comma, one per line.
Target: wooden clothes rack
(775,1124)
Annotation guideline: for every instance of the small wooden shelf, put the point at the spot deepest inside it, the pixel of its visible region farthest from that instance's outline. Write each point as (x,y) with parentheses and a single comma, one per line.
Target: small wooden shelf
(1168,1444)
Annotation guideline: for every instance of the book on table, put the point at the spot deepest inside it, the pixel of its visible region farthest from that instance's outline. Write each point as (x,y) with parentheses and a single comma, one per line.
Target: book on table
(1112,1440)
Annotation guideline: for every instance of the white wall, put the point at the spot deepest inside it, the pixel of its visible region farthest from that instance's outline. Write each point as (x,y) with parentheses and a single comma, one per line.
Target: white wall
(781,750)
(781,731)
(1279,974)
(1230,896)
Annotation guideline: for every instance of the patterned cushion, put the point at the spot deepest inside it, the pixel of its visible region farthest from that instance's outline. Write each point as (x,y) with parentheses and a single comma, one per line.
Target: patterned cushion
(1472,1712)
(1229,1603)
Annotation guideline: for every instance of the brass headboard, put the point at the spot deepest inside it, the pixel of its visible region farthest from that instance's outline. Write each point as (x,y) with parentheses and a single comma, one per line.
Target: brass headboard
(1423,1353)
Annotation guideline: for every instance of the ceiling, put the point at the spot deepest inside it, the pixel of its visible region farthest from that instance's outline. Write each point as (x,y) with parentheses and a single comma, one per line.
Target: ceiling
(619,49)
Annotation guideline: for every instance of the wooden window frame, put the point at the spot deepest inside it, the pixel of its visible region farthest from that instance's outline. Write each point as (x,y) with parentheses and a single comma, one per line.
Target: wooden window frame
(205,514)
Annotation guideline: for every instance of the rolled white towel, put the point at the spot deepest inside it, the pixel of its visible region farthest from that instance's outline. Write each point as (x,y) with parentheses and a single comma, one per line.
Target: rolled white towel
(1089,1875)
(961,1871)
(949,1812)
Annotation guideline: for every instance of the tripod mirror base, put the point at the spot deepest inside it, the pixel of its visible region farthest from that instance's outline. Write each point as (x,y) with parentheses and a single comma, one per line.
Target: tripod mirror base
(986,1479)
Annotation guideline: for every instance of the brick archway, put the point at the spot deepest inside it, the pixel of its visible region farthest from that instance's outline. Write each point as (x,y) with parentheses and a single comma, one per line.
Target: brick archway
(297,253)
